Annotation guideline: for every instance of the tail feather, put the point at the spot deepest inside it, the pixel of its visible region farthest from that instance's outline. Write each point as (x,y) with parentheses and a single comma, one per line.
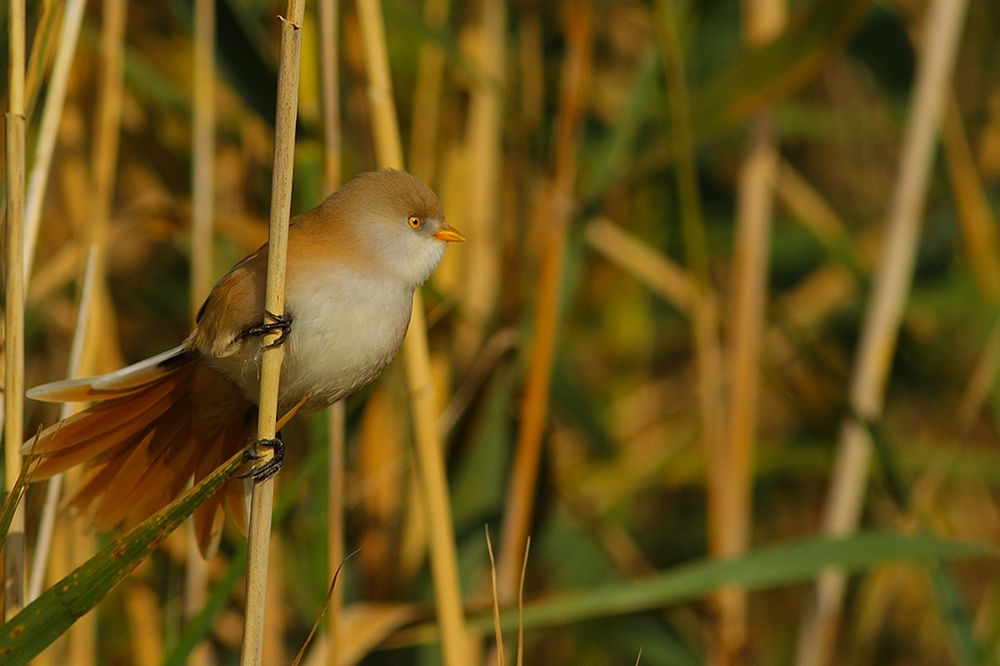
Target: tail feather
(143,474)
(164,479)
(96,479)
(115,384)
(98,431)
(112,506)
(235,489)
(142,444)
(209,517)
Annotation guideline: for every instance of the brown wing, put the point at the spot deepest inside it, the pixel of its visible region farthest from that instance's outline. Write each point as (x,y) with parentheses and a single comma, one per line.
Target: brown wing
(235,304)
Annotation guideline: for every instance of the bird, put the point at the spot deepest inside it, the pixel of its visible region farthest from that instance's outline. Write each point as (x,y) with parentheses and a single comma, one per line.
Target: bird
(353,265)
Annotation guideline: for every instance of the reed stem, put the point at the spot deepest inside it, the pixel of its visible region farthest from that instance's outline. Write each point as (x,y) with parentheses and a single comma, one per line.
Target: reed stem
(943,23)
(14,568)
(43,543)
(262,500)
(48,131)
(763,20)
(329,25)
(554,214)
(430,456)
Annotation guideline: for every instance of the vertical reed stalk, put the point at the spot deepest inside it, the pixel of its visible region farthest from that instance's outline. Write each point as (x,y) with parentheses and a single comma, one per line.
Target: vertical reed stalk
(554,212)
(338,436)
(108,121)
(427,97)
(705,316)
(13,549)
(430,457)
(202,270)
(262,500)
(203,152)
(43,543)
(329,25)
(48,130)
(482,253)
(943,23)
(763,20)
(104,166)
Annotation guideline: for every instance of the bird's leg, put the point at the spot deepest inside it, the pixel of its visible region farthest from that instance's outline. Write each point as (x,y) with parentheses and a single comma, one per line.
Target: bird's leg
(282,323)
(271,466)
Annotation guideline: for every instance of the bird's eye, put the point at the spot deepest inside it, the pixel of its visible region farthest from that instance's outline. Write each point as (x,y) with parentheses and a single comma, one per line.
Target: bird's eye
(414,222)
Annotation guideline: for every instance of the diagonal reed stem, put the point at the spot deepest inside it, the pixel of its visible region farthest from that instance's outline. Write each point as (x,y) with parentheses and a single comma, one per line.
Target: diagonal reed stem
(430,457)
(943,23)
(262,500)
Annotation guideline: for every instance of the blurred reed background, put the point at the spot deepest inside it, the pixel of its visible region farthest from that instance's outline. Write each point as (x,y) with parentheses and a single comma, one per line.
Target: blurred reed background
(732,283)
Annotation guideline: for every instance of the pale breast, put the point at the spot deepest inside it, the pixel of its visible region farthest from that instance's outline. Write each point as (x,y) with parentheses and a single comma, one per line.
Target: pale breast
(346,327)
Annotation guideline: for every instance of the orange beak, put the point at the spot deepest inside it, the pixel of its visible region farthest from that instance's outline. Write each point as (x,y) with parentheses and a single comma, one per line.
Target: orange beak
(449,235)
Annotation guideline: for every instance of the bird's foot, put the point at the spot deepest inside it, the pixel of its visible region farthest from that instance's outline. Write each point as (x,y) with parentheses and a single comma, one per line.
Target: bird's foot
(281,323)
(261,471)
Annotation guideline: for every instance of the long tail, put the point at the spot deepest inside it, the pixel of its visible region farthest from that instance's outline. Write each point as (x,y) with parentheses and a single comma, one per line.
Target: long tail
(139,447)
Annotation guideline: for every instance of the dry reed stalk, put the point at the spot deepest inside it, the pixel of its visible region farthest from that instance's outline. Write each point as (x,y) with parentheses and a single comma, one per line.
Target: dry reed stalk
(262,499)
(809,208)
(336,510)
(388,149)
(485,132)
(78,545)
(980,382)
(103,350)
(203,153)
(13,398)
(682,136)
(104,161)
(430,457)
(763,20)
(658,272)
(40,57)
(943,23)
(202,270)
(976,221)
(427,97)
(106,131)
(46,525)
(329,24)
(277,623)
(48,129)
(705,314)
(553,214)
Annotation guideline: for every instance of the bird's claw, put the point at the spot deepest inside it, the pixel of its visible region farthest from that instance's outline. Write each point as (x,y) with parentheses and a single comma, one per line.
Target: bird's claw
(282,323)
(267,469)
